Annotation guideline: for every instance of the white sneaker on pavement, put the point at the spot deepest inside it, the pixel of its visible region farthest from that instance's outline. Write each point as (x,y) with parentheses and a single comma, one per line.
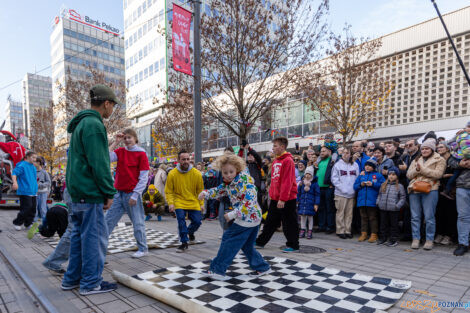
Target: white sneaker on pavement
(18,227)
(139,254)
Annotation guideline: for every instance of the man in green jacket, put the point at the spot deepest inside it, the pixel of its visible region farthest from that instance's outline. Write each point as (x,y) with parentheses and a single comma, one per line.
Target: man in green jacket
(90,185)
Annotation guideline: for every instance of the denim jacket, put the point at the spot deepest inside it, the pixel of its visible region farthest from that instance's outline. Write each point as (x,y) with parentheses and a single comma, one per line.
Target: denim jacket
(243,196)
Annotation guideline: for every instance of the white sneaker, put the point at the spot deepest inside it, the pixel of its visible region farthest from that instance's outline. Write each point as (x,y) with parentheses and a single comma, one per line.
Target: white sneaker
(215,276)
(18,227)
(139,254)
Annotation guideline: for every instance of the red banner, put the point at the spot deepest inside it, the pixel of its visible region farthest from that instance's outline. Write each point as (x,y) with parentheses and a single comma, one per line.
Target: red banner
(180,39)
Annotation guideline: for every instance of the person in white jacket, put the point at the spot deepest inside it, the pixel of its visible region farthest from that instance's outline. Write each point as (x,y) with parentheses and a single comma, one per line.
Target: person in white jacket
(343,176)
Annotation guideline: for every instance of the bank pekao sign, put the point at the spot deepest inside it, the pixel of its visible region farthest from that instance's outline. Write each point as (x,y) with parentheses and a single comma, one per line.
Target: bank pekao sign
(86,20)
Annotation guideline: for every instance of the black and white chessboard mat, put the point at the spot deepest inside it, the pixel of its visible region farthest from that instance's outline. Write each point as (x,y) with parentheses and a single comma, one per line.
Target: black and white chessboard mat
(122,239)
(291,287)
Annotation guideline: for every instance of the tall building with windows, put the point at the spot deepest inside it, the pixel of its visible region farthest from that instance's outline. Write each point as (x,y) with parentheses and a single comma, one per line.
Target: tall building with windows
(14,121)
(37,93)
(78,43)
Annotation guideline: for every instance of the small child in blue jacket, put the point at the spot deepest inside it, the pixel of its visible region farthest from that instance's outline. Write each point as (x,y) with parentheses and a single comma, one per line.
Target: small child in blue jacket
(367,186)
(308,199)
(246,215)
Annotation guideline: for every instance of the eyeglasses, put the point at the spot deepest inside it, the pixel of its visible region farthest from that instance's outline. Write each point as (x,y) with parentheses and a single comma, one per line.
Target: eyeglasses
(409,145)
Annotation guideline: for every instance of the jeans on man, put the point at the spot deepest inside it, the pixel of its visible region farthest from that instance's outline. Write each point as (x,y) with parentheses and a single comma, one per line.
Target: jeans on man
(27,211)
(194,216)
(61,253)
(237,237)
(42,205)
(290,224)
(87,246)
(326,209)
(136,214)
(423,203)
(463,210)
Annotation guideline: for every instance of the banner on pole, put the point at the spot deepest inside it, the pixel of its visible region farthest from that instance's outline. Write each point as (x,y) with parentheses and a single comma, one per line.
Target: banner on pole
(180,39)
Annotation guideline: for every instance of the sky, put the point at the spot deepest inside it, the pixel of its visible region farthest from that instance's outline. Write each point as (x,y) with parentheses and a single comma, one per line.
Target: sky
(25,27)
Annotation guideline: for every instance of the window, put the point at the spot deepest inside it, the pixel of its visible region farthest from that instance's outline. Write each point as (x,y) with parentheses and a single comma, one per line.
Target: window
(141,76)
(156,67)
(162,63)
(151,70)
(140,55)
(145,51)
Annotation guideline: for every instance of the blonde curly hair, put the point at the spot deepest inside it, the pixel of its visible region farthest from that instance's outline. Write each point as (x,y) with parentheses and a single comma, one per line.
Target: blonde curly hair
(231,159)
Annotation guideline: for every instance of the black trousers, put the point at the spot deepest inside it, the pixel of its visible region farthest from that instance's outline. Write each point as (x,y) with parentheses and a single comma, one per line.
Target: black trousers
(290,224)
(27,211)
(446,217)
(57,220)
(389,225)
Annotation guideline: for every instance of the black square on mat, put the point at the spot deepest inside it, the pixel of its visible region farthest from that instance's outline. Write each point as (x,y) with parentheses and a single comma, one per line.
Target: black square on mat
(290,290)
(357,300)
(297,299)
(337,309)
(238,296)
(274,308)
(208,297)
(327,299)
(208,287)
(180,288)
(241,308)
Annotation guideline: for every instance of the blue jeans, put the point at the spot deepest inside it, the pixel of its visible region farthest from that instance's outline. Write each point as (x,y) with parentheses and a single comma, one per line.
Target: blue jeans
(235,238)
(195,217)
(326,210)
(463,210)
(61,253)
(423,203)
(41,205)
(87,246)
(136,214)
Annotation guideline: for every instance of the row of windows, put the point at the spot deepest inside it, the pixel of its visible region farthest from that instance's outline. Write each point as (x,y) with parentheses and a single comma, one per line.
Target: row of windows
(142,31)
(155,44)
(131,18)
(92,52)
(83,74)
(145,95)
(93,40)
(147,72)
(100,66)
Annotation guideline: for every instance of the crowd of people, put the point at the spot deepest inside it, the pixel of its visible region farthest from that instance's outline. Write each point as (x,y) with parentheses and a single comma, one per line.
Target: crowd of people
(383,192)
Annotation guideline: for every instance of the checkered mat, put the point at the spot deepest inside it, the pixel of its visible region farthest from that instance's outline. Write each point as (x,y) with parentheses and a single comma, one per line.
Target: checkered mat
(291,287)
(122,239)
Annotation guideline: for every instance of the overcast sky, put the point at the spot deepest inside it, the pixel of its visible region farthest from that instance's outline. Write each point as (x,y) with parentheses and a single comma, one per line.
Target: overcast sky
(25,27)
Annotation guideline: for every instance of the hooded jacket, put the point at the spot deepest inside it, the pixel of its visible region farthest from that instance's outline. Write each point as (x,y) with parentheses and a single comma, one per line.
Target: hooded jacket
(343,177)
(88,168)
(183,188)
(367,195)
(243,196)
(283,182)
(307,199)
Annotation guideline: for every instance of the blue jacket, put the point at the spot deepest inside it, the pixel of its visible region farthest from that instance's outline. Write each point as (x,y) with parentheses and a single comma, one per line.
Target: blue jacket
(362,161)
(307,199)
(367,196)
(26,176)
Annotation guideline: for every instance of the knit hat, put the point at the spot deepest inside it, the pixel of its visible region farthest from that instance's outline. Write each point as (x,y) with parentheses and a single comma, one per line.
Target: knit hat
(303,162)
(152,187)
(309,170)
(329,136)
(429,143)
(430,134)
(395,170)
(372,162)
(267,157)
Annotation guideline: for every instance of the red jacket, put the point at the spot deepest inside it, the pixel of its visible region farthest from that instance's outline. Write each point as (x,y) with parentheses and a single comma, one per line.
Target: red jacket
(283,183)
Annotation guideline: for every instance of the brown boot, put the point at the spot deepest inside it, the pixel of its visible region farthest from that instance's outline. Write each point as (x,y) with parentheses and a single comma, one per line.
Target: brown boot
(373,238)
(363,236)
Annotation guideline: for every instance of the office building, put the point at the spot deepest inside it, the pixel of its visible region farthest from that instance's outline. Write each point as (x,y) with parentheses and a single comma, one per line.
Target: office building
(37,93)
(14,121)
(78,43)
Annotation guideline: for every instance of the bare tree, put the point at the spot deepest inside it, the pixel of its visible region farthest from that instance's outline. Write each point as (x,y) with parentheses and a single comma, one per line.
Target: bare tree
(74,97)
(349,86)
(42,135)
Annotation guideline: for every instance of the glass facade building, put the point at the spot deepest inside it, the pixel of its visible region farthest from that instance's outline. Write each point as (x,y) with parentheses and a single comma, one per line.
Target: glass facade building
(14,121)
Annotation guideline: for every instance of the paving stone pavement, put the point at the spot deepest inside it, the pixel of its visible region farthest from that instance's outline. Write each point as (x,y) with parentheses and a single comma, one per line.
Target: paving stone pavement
(436,275)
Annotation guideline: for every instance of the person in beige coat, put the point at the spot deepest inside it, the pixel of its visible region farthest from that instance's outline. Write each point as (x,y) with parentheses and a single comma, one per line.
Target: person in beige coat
(160,179)
(425,171)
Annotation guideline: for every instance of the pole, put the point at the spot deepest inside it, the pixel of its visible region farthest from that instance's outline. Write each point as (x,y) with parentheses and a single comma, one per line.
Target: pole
(452,42)
(197,82)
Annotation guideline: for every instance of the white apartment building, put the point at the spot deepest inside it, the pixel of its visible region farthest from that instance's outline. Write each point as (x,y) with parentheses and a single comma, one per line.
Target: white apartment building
(79,42)
(37,93)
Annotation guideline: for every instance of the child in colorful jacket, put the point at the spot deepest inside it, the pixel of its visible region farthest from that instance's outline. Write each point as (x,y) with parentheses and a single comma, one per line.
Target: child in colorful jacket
(241,190)
(308,200)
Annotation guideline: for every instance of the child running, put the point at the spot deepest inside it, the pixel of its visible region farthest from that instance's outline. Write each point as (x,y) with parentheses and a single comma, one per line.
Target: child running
(131,178)
(241,190)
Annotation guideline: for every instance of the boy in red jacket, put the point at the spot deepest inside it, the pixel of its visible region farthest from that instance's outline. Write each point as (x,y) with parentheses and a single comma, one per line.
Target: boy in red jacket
(283,194)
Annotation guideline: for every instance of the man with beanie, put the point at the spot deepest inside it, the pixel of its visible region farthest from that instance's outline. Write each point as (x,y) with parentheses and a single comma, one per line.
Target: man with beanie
(90,185)
(283,193)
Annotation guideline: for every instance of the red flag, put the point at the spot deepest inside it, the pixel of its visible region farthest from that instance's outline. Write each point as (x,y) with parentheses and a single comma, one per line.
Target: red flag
(180,39)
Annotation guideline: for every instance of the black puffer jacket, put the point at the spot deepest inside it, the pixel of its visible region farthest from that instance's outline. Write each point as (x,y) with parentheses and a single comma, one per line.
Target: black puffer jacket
(463,181)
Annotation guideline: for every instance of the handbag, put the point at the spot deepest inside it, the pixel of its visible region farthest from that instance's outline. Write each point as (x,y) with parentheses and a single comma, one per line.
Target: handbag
(421,187)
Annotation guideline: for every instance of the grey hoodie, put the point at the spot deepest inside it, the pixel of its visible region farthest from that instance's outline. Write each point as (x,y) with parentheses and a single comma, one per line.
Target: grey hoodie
(44,181)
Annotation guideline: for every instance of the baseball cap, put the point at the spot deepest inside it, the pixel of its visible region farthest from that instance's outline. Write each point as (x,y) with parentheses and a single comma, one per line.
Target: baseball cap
(102,92)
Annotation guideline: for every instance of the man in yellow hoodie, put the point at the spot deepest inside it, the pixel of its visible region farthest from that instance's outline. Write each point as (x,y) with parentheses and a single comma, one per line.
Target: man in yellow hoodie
(183,185)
